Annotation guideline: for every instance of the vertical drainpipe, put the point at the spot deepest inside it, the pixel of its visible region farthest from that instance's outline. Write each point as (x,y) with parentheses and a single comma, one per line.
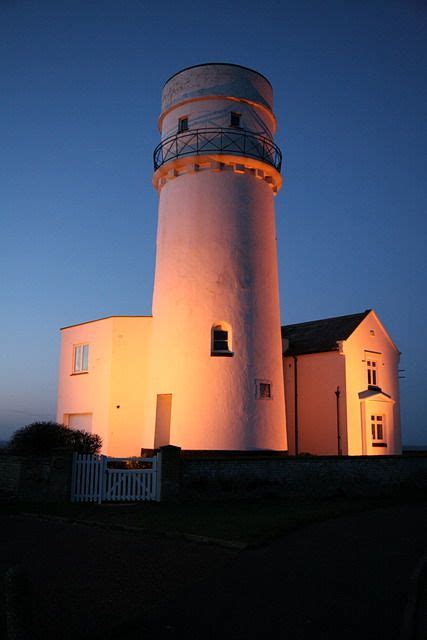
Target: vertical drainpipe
(338,393)
(296,405)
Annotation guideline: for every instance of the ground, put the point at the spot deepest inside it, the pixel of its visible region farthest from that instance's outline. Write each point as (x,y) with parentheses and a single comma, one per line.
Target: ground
(345,577)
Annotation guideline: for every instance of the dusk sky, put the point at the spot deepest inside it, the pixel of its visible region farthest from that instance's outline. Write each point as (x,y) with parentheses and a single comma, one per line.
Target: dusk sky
(80,87)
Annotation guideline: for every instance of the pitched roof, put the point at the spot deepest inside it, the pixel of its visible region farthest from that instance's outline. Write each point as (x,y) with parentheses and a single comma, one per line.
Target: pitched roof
(320,335)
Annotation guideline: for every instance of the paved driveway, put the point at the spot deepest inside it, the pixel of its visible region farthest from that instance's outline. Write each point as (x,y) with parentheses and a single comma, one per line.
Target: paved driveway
(345,578)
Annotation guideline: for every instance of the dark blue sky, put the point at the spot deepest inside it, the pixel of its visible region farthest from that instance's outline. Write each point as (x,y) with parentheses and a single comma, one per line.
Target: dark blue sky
(80,87)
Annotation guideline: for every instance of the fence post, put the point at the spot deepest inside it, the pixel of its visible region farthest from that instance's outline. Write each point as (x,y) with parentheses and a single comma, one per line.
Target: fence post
(168,473)
(102,478)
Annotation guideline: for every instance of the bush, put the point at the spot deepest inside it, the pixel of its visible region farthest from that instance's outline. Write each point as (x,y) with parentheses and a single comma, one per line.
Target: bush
(84,442)
(40,438)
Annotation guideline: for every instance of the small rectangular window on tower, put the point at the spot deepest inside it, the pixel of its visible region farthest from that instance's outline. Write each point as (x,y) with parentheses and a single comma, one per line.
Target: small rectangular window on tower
(80,358)
(263,389)
(183,124)
(235,119)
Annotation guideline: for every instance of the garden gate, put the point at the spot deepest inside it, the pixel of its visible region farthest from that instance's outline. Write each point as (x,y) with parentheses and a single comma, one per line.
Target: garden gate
(99,479)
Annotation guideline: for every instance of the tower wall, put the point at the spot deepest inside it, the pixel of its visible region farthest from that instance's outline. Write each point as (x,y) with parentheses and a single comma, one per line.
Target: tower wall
(216,264)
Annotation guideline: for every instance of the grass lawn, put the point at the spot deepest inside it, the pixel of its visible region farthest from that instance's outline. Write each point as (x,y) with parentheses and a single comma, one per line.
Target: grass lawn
(243,522)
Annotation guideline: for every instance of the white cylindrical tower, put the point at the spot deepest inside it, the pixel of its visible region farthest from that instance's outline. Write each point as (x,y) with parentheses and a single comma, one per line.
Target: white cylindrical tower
(217,380)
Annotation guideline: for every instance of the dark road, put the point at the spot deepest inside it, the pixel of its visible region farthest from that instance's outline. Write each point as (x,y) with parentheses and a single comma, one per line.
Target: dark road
(345,578)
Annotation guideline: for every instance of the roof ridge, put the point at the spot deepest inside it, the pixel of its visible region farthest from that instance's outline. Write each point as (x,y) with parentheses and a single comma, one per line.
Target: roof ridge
(322,335)
(77,324)
(349,315)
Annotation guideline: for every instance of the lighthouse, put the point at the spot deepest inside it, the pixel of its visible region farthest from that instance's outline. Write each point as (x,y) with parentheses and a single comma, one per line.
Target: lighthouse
(216,378)
(205,370)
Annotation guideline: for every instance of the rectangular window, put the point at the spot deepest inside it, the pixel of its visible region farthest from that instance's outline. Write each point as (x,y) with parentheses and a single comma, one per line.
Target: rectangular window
(235,119)
(263,389)
(372,370)
(80,358)
(378,431)
(183,124)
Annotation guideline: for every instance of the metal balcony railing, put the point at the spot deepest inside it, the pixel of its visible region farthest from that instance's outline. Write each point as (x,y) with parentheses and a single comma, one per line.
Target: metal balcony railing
(232,141)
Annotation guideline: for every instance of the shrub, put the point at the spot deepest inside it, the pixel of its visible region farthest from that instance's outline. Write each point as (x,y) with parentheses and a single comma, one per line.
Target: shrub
(84,442)
(40,438)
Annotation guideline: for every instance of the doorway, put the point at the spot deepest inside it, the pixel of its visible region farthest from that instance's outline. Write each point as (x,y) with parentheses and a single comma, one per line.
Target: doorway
(163,420)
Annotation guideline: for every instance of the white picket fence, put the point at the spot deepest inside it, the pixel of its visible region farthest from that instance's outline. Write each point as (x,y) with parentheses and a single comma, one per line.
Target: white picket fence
(93,481)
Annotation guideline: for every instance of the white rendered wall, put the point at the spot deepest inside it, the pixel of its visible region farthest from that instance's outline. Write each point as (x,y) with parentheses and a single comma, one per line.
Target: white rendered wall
(206,80)
(380,347)
(87,393)
(216,113)
(217,262)
(129,384)
(114,388)
(319,374)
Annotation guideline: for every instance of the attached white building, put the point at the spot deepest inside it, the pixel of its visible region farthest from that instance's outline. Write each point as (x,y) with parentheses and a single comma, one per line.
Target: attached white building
(341,385)
(103,381)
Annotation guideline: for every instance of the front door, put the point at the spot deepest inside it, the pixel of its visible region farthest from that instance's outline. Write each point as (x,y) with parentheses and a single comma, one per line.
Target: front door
(163,420)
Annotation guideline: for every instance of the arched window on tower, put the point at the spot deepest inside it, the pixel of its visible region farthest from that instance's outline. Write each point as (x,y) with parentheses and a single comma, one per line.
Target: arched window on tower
(221,339)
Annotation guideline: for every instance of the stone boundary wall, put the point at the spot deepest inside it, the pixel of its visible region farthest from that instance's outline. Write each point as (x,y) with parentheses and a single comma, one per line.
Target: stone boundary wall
(303,477)
(211,477)
(34,478)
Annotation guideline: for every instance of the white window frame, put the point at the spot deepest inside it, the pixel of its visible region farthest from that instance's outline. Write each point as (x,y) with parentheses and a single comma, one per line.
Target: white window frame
(372,370)
(80,358)
(377,420)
